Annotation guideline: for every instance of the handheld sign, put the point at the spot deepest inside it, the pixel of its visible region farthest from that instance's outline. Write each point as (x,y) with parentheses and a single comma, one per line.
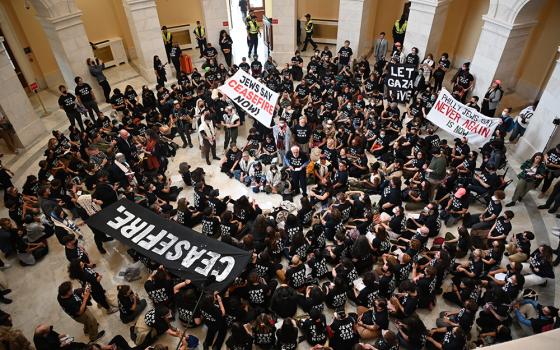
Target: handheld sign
(401,80)
(182,251)
(251,95)
(461,121)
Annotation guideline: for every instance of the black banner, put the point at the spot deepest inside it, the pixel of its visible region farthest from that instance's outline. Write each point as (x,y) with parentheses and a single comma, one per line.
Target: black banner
(400,80)
(184,252)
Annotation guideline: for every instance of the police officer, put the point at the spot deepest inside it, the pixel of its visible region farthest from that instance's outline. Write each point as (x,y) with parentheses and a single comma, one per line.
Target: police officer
(309,33)
(253,32)
(399,30)
(167,41)
(200,33)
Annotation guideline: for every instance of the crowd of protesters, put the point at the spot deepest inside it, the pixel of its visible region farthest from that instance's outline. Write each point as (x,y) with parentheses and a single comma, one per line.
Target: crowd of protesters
(389,216)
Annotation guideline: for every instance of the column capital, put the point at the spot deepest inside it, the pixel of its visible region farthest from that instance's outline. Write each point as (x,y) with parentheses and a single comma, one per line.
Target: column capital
(505,29)
(65,21)
(135,5)
(429,6)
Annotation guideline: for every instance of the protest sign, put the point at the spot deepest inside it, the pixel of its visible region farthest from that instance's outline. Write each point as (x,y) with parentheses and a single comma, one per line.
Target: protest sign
(184,252)
(251,95)
(460,120)
(400,80)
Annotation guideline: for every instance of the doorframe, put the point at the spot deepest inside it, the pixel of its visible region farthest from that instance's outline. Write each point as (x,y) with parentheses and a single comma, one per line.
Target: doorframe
(17,49)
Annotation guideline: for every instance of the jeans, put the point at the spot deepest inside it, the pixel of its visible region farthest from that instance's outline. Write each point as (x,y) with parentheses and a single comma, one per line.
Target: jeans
(91,107)
(517,131)
(230,137)
(106,90)
(253,41)
(201,46)
(299,181)
(75,116)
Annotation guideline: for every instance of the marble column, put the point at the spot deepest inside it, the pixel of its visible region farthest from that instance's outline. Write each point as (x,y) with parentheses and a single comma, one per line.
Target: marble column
(15,104)
(541,129)
(284,33)
(215,16)
(145,28)
(497,53)
(353,25)
(426,21)
(70,46)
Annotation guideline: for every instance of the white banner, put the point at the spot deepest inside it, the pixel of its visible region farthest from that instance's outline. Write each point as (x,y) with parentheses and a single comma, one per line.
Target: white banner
(251,95)
(461,121)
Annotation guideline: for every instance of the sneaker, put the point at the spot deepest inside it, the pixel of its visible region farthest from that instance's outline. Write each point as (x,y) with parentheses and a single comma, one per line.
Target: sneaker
(510,204)
(543,206)
(552,210)
(5,266)
(99,335)
(5,300)
(216,158)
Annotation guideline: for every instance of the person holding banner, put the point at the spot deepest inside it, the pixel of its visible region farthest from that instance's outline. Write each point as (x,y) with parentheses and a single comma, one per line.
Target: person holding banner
(463,82)
(207,137)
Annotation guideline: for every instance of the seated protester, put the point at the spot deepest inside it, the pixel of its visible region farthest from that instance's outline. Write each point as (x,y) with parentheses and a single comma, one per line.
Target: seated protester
(539,269)
(334,252)
(296,275)
(210,223)
(264,331)
(492,257)
(412,333)
(155,322)
(231,160)
(257,178)
(229,225)
(164,190)
(456,208)
(287,335)
(371,323)
(256,292)
(417,192)
(426,285)
(332,221)
(361,253)
(371,184)
(498,232)
(321,193)
(386,281)
(318,265)
(464,277)
(268,150)
(539,318)
(486,219)
(275,181)
(414,165)
(29,253)
(340,178)
(335,293)
(218,205)
(284,301)
(486,183)
(343,328)
(305,214)
(502,334)
(292,226)
(513,268)
(314,328)
(312,300)
(391,195)
(243,168)
(519,247)
(381,144)
(253,142)
(246,211)
(343,205)
(366,296)
(463,318)
(447,338)
(429,217)
(159,287)
(130,305)
(460,151)
(322,169)
(494,313)
(186,215)
(240,338)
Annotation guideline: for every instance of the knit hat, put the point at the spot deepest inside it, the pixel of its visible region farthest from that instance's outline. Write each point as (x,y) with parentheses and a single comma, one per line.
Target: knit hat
(460,192)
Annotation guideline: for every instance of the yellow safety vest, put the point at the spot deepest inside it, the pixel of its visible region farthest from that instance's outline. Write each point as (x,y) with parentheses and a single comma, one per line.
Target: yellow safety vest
(199,32)
(166,37)
(309,26)
(253,27)
(400,30)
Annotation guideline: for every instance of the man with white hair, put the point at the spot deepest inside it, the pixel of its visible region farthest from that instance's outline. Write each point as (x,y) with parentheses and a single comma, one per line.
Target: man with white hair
(297,163)
(127,148)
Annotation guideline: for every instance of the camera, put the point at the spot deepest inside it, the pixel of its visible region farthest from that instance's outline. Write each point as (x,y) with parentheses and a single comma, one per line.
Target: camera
(556,121)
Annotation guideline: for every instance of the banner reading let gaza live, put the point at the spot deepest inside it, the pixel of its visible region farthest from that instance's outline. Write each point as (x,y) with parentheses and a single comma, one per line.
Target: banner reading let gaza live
(400,80)
(184,252)
(460,120)
(251,95)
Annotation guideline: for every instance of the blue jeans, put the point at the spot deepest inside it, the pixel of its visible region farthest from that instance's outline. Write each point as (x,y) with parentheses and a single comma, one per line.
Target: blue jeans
(518,131)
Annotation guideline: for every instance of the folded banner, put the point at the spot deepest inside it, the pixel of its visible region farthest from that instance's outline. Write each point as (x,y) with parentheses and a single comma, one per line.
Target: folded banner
(400,80)
(184,252)
(461,121)
(251,95)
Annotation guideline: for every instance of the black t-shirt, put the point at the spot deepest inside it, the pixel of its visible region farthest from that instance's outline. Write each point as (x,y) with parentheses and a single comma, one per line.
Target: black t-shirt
(302,134)
(84,92)
(210,226)
(502,227)
(344,335)
(159,291)
(67,102)
(210,52)
(315,332)
(451,341)
(287,341)
(298,161)
(296,276)
(71,305)
(159,324)
(345,54)
(464,79)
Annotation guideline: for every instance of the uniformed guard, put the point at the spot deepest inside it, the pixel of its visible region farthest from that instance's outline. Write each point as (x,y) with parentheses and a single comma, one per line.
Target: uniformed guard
(167,40)
(399,30)
(200,33)
(253,32)
(309,33)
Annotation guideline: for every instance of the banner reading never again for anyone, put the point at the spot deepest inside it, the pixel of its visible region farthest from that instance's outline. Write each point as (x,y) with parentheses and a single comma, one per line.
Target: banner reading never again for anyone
(251,95)
(182,251)
(400,80)
(460,120)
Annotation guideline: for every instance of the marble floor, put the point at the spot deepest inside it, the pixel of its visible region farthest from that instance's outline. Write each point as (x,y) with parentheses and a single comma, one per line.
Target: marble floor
(34,288)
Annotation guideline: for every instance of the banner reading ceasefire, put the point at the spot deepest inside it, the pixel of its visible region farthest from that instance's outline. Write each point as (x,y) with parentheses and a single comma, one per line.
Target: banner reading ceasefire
(251,95)
(184,252)
(460,120)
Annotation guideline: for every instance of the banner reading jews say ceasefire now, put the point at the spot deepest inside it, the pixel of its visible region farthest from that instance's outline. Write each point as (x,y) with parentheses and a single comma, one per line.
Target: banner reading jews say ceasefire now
(460,120)
(251,95)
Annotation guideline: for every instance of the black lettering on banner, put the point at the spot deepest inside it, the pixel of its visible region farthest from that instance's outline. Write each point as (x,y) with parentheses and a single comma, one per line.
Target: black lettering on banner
(182,251)
(401,80)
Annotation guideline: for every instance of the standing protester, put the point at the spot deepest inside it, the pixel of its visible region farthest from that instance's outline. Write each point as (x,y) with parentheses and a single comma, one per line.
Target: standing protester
(86,97)
(167,41)
(439,74)
(380,48)
(297,162)
(492,98)
(96,68)
(207,137)
(463,82)
(225,46)
(309,26)
(344,55)
(253,33)
(67,102)
(159,69)
(231,123)
(522,122)
(175,55)
(243,8)
(200,34)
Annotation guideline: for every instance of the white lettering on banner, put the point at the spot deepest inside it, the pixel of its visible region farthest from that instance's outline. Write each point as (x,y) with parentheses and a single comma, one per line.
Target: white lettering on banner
(460,120)
(400,80)
(251,95)
(205,262)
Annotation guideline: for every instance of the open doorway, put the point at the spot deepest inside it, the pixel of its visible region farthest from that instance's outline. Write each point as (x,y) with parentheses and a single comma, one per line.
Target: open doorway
(13,60)
(238,29)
